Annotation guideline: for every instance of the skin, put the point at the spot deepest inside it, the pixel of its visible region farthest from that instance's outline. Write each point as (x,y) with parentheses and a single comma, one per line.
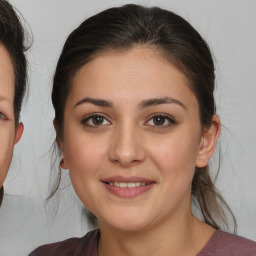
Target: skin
(130,142)
(10,134)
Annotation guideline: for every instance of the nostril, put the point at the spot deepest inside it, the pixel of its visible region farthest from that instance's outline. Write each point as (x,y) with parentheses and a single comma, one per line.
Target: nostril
(126,147)
(126,159)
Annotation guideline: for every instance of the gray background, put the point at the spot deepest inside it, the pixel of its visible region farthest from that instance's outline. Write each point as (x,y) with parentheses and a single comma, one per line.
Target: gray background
(229,28)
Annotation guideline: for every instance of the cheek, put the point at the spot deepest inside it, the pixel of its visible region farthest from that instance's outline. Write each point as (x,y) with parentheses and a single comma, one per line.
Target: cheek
(85,155)
(174,150)
(175,157)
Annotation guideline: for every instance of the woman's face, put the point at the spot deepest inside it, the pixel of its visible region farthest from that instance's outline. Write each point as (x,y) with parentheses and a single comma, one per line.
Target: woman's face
(132,138)
(8,134)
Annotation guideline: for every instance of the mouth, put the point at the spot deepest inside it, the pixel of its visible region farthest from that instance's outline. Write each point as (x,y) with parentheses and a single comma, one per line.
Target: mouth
(127,184)
(128,187)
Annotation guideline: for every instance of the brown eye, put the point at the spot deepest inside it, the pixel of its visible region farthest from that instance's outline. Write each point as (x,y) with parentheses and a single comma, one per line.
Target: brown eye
(161,121)
(95,120)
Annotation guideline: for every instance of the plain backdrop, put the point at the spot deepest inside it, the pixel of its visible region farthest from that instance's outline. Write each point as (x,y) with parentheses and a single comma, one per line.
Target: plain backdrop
(229,28)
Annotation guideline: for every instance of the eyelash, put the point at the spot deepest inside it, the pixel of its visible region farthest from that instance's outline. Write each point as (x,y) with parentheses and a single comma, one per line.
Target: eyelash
(169,119)
(90,117)
(89,120)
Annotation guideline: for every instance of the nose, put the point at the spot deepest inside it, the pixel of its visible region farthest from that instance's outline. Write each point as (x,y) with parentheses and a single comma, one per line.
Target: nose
(127,146)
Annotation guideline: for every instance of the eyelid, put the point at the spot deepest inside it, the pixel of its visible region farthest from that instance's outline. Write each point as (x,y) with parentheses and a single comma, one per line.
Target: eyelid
(170,118)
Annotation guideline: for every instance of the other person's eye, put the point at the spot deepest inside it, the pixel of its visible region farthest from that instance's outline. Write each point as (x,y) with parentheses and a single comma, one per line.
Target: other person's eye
(2,116)
(161,120)
(95,120)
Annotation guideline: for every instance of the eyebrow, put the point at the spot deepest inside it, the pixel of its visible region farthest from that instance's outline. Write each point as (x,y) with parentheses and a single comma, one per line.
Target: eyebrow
(142,105)
(159,101)
(97,102)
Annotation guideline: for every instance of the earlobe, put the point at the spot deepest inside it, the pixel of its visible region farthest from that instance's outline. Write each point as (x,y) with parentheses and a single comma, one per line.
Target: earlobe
(208,142)
(63,163)
(19,132)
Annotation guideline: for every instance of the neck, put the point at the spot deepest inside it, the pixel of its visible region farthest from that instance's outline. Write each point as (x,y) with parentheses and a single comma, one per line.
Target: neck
(184,235)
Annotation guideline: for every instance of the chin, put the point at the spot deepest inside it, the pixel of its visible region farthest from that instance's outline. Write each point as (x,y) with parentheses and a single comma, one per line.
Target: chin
(126,221)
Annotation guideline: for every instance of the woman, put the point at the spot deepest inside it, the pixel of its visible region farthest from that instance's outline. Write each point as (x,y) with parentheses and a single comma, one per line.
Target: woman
(12,85)
(136,124)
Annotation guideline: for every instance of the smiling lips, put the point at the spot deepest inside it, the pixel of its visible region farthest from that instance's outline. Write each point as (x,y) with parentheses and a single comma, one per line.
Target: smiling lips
(127,187)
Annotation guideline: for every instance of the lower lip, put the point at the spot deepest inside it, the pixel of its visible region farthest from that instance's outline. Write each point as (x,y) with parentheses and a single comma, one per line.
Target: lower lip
(128,192)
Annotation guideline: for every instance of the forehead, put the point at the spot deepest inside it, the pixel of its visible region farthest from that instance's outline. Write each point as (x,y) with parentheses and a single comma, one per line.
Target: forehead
(6,75)
(133,74)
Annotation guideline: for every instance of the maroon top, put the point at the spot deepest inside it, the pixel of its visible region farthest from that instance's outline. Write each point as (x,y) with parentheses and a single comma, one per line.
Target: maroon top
(221,244)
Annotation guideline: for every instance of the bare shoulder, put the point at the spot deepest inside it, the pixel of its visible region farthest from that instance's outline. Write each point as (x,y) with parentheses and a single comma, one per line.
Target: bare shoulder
(223,243)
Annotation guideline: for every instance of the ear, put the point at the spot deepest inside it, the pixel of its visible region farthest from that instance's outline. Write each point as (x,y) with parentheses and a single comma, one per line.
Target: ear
(208,142)
(19,132)
(63,162)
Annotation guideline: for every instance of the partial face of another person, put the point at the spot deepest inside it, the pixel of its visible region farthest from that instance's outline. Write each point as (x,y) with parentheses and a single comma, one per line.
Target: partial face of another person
(132,138)
(9,133)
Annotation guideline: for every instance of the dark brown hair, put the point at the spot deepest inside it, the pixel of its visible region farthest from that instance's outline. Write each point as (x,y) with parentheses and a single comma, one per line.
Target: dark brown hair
(133,25)
(1,194)
(12,37)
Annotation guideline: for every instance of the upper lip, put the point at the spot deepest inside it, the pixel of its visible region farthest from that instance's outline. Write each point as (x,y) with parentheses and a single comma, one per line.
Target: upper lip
(127,179)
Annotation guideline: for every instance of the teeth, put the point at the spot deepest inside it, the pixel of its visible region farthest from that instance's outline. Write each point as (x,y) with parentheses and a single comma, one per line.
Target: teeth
(127,185)
(131,185)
